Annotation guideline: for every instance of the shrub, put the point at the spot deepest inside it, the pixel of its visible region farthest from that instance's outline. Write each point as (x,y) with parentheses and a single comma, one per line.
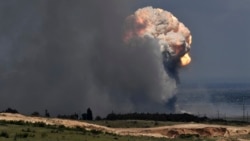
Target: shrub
(61,127)
(4,134)
(3,123)
(39,124)
(20,122)
(43,135)
(185,136)
(98,118)
(28,130)
(35,114)
(10,110)
(21,135)
(95,132)
(54,131)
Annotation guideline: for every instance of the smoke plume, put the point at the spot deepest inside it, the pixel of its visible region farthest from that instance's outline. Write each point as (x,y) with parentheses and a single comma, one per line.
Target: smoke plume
(66,56)
(172,42)
(172,37)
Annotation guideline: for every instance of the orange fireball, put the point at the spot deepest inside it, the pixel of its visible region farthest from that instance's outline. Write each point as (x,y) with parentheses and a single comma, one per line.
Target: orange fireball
(172,35)
(185,60)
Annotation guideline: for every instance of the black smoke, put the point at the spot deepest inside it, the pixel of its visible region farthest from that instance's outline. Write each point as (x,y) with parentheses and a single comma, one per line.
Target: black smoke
(65,56)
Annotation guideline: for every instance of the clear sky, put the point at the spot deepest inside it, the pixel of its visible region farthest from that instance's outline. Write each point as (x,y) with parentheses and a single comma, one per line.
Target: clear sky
(68,55)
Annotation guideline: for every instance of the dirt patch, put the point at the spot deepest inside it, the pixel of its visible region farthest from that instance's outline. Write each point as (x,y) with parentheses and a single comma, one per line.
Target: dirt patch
(199,130)
(203,131)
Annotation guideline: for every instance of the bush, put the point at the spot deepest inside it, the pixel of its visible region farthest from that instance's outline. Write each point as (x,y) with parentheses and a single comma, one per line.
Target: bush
(21,135)
(61,127)
(10,110)
(54,131)
(43,135)
(20,122)
(39,124)
(185,136)
(3,123)
(28,130)
(4,134)
(35,114)
(95,132)
(98,118)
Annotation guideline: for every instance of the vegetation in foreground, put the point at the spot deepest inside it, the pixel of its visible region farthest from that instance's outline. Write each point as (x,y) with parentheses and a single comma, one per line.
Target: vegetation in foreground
(22,131)
(25,131)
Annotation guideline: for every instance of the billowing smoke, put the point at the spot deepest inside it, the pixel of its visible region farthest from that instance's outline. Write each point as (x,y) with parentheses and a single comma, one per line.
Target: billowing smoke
(171,44)
(66,56)
(172,37)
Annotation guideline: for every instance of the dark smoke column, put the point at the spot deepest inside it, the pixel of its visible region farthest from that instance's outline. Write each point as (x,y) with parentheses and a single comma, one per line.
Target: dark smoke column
(171,40)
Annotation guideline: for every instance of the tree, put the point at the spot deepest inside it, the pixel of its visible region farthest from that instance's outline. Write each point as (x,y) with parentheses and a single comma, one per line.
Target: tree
(47,113)
(84,116)
(10,110)
(89,114)
(98,118)
(35,114)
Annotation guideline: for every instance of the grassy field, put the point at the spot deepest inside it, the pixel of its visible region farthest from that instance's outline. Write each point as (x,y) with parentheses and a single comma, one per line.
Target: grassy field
(22,131)
(19,131)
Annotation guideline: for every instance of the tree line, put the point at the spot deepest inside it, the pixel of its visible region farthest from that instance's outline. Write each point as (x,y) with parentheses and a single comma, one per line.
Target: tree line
(157,117)
(127,116)
(84,116)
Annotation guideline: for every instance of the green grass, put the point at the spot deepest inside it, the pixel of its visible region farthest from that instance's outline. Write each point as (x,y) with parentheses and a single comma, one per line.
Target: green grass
(23,131)
(16,131)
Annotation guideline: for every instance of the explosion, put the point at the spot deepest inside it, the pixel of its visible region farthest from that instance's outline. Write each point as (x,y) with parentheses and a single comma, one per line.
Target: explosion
(170,39)
(173,37)
(79,56)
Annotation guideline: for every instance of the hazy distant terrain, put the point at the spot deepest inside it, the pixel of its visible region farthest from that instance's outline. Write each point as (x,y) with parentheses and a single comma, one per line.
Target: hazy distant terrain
(224,100)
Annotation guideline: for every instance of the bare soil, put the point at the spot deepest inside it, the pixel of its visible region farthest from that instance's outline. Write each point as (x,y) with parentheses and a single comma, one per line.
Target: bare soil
(201,130)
